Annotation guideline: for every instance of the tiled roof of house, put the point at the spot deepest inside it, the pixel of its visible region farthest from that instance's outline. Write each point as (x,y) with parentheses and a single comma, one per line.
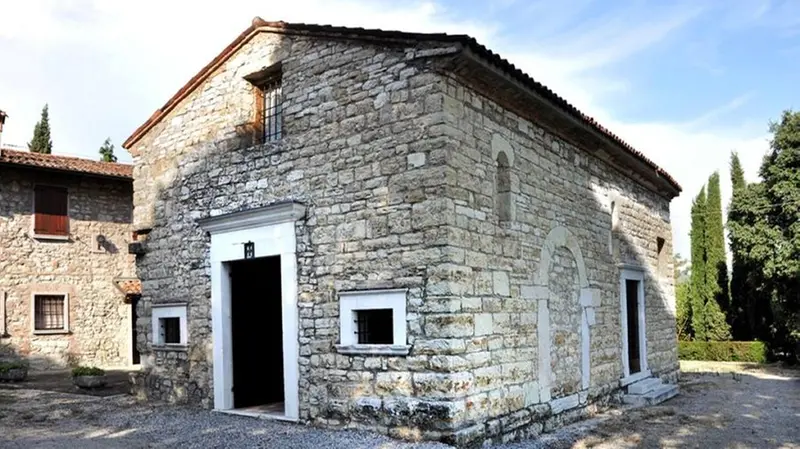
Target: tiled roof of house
(465,41)
(65,163)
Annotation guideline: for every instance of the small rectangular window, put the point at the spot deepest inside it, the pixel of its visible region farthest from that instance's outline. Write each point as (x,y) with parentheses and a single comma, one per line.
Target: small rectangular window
(50,211)
(171,330)
(49,313)
(374,327)
(169,325)
(271,110)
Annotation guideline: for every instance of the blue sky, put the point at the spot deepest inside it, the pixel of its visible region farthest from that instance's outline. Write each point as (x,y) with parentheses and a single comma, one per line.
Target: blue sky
(685,82)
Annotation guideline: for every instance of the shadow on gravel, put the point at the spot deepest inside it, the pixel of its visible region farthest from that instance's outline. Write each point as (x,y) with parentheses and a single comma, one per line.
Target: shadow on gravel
(118,382)
(715,410)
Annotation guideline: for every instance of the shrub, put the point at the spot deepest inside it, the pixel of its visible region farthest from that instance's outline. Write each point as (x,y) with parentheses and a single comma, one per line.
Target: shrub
(723,351)
(87,371)
(8,366)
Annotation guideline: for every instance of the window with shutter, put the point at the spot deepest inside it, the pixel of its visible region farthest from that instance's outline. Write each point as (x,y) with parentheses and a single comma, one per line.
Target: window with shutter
(50,211)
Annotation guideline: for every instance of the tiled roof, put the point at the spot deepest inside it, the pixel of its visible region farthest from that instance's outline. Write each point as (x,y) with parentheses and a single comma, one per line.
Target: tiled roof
(65,163)
(129,286)
(361,33)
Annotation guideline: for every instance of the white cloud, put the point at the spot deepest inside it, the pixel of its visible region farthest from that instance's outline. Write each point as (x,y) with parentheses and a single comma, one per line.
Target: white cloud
(105,66)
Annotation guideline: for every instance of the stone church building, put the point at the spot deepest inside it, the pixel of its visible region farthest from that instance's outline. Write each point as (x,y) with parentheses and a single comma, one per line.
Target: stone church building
(404,232)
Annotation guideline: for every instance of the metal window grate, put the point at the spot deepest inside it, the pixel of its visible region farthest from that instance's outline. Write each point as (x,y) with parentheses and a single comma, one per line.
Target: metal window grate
(171,330)
(374,327)
(272,110)
(49,312)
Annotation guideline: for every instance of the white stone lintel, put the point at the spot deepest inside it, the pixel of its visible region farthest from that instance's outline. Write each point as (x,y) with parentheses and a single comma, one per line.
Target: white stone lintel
(260,216)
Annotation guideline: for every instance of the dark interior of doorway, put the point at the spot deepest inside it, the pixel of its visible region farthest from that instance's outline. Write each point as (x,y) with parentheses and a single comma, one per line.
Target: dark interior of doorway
(257,332)
(632,301)
(135,356)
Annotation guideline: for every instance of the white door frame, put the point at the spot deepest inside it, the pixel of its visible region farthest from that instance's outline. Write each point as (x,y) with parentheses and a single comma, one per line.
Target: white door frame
(632,274)
(272,231)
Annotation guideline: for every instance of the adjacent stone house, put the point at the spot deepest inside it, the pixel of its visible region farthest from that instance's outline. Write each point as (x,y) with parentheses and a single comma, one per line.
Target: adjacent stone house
(65,272)
(396,231)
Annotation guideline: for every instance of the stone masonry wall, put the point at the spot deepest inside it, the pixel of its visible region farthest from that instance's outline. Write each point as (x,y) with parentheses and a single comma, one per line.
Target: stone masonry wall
(554,186)
(99,320)
(395,164)
(362,148)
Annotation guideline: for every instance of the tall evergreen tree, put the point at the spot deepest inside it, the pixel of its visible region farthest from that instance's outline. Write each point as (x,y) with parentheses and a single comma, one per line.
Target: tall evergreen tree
(41,142)
(741,307)
(717,302)
(737,173)
(107,151)
(697,280)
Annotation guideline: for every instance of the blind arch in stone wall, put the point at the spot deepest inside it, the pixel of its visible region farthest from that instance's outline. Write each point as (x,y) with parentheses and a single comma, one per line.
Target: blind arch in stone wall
(589,299)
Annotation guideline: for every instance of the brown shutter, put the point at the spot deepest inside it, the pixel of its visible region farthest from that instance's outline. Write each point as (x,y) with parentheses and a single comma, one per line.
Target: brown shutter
(51,217)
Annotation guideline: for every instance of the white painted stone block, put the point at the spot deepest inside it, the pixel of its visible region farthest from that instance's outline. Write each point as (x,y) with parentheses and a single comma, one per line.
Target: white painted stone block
(416,160)
(483,324)
(566,403)
(501,287)
(531,390)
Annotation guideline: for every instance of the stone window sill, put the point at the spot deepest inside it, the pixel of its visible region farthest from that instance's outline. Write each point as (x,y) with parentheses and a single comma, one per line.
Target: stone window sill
(50,331)
(62,238)
(397,350)
(177,348)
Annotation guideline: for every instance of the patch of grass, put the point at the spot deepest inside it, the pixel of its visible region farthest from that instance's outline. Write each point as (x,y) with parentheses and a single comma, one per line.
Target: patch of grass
(87,371)
(723,351)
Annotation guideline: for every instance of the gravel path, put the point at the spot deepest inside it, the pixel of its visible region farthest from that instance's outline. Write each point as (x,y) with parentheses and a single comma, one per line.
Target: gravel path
(749,408)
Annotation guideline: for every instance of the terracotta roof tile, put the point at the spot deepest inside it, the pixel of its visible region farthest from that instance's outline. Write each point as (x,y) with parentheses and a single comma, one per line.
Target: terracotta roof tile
(129,286)
(65,163)
(465,41)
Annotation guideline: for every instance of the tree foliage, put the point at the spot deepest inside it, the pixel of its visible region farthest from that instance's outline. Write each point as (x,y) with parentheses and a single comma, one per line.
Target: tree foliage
(741,307)
(697,283)
(41,142)
(765,236)
(107,151)
(708,286)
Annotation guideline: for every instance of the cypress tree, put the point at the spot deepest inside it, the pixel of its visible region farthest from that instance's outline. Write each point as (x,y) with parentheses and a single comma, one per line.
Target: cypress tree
(740,297)
(697,280)
(41,142)
(717,301)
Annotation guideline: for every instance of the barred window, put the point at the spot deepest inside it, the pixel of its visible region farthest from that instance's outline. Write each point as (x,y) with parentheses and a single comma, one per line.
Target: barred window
(374,327)
(271,110)
(171,330)
(49,312)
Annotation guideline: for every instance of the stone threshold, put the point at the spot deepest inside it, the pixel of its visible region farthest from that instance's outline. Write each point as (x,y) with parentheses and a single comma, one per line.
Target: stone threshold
(267,415)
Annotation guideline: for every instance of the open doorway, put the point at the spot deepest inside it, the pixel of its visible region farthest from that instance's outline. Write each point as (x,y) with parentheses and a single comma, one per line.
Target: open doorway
(632,311)
(257,335)
(136,358)
(632,323)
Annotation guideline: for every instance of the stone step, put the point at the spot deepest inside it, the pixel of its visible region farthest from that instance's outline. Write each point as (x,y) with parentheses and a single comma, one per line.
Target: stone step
(644,386)
(661,394)
(657,396)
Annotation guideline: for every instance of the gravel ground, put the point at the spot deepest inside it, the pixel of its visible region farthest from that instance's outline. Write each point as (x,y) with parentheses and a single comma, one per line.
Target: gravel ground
(742,408)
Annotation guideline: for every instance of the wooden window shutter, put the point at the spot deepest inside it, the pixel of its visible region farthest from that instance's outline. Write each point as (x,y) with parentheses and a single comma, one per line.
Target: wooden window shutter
(50,211)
